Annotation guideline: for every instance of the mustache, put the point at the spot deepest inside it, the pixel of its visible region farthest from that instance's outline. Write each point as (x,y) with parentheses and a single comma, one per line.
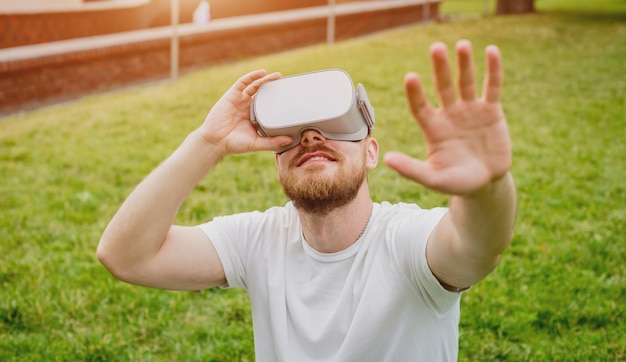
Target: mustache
(315,148)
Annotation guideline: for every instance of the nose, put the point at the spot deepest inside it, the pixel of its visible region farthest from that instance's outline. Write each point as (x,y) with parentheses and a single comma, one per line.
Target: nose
(310,137)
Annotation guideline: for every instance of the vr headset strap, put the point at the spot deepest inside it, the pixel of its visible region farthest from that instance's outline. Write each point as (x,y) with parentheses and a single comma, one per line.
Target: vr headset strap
(365,106)
(254,122)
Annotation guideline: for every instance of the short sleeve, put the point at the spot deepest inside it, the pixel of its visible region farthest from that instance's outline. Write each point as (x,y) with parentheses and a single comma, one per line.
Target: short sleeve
(247,242)
(412,231)
(227,234)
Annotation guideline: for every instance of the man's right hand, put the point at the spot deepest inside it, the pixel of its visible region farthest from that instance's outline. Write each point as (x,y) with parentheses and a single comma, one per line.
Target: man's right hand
(141,245)
(228,126)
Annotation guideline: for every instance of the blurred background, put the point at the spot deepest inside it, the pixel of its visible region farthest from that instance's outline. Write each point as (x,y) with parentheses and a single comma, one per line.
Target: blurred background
(559,293)
(57,50)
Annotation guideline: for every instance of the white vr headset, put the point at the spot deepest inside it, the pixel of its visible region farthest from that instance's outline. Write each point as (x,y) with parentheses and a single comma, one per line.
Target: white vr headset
(325,101)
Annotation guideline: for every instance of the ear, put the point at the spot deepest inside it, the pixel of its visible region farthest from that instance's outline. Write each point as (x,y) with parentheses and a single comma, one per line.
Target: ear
(371,156)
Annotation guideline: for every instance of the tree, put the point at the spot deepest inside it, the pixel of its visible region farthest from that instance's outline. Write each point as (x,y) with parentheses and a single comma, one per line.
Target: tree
(515,6)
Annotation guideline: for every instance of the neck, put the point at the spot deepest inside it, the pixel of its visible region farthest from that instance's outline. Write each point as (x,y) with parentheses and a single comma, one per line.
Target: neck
(340,228)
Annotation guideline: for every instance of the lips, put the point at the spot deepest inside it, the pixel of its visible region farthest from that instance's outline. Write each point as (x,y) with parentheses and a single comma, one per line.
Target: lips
(315,156)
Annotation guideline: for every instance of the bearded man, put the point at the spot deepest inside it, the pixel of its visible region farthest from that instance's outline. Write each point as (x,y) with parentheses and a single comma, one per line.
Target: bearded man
(333,275)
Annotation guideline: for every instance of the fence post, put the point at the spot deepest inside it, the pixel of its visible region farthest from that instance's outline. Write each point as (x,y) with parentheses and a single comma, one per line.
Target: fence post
(330,22)
(174,40)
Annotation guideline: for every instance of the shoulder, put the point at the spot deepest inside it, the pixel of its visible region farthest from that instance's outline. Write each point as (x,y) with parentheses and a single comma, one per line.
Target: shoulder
(251,224)
(408,213)
(282,213)
(406,227)
(246,241)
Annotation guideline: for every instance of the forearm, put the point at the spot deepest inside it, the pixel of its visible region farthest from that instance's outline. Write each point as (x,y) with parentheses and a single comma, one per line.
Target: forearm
(483,222)
(141,225)
(466,245)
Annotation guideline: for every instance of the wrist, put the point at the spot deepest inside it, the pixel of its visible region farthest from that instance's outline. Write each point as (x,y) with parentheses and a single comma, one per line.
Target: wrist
(502,184)
(200,150)
(206,146)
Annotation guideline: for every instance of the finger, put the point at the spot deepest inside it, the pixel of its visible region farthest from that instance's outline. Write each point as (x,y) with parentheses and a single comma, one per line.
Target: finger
(408,167)
(247,79)
(271,143)
(443,78)
(253,87)
(492,87)
(419,106)
(465,77)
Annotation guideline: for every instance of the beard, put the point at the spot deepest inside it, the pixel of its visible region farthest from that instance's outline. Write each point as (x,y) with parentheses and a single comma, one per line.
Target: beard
(319,193)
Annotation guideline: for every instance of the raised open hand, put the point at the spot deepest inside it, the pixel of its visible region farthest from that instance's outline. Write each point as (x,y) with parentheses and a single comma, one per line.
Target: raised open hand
(468,143)
(228,123)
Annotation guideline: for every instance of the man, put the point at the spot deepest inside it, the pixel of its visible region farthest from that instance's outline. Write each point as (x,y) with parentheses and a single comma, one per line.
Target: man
(333,275)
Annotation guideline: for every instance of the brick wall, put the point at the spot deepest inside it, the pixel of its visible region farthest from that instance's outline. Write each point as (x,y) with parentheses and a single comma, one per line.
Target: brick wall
(27,27)
(29,82)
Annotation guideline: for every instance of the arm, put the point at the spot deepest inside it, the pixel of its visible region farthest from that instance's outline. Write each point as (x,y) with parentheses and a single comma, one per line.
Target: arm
(468,157)
(140,245)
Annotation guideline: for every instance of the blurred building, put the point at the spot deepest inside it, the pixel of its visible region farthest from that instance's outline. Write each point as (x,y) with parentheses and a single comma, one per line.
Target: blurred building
(24,22)
(57,50)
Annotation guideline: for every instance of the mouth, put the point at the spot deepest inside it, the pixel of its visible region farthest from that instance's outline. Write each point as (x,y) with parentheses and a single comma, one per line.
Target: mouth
(315,157)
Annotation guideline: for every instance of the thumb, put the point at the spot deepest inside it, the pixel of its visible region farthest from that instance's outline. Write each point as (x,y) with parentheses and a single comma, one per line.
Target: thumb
(409,167)
(272,143)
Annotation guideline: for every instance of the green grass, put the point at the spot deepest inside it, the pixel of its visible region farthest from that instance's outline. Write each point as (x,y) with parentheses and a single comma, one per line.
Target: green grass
(558,295)
(467,7)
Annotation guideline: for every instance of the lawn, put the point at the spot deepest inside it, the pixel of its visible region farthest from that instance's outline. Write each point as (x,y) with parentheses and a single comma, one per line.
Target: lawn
(559,293)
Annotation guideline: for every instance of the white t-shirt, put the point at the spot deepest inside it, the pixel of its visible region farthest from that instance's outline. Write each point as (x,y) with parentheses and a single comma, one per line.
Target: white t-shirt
(374,301)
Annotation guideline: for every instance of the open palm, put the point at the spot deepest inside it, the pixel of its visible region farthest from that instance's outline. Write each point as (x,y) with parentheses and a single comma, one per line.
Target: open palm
(468,143)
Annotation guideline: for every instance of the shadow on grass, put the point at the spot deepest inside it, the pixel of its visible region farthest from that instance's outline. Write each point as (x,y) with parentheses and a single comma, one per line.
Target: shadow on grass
(585,16)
